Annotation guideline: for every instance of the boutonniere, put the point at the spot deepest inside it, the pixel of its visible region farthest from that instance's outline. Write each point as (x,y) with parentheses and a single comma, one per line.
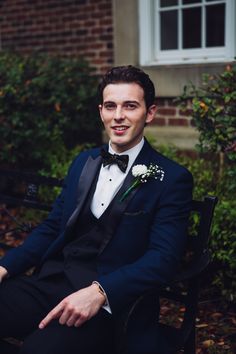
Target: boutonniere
(142,173)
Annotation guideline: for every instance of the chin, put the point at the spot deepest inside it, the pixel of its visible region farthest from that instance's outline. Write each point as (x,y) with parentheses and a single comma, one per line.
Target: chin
(119,146)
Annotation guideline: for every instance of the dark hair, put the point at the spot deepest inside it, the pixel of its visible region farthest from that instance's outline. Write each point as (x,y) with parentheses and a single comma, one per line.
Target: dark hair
(128,74)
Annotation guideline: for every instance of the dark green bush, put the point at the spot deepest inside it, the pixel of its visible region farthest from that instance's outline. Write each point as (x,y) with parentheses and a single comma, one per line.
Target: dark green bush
(47,106)
(214,115)
(221,273)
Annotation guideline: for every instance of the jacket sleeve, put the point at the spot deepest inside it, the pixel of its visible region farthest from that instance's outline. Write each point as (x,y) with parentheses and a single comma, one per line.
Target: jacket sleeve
(167,240)
(29,254)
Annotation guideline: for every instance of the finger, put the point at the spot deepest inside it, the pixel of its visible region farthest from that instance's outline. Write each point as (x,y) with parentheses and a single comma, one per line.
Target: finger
(72,320)
(80,321)
(64,317)
(54,313)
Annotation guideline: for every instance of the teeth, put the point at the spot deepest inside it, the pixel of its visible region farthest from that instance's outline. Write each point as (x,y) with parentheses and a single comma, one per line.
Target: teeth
(120,128)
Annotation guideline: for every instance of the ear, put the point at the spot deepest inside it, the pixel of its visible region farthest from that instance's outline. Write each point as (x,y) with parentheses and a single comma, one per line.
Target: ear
(151,113)
(100,111)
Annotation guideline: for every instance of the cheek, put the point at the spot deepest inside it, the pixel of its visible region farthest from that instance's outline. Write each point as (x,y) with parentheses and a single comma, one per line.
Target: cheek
(139,125)
(106,122)
(107,117)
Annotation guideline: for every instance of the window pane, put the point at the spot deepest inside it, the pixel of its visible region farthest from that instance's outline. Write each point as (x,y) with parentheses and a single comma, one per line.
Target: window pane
(169,30)
(192,19)
(166,3)
(215,17)
(187,2)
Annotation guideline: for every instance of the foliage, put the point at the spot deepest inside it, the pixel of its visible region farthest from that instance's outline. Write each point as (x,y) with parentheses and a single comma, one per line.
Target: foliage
(214,115)
(222,241)
(214,111)
(47,104)
(59,168)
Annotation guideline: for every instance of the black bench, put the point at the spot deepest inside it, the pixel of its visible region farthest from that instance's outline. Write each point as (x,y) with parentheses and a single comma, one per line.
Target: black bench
(23,189)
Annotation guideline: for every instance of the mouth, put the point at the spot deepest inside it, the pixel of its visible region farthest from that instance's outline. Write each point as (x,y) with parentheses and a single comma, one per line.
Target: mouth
(119,129)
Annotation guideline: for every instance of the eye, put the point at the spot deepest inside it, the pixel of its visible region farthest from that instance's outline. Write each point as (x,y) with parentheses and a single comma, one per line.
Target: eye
(130,105)
(109,106)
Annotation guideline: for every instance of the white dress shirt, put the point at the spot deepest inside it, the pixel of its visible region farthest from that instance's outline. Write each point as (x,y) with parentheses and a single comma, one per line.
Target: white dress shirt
(111,179)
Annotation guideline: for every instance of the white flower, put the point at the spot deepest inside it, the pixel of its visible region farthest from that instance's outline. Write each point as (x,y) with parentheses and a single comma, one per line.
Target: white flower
(142,173)
(139,170)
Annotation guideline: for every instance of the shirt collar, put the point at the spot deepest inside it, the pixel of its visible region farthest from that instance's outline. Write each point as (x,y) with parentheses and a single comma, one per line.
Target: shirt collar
(133,152)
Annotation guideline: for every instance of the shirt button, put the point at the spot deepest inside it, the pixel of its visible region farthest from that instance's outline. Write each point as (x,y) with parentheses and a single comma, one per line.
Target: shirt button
(110,179)
(102,204)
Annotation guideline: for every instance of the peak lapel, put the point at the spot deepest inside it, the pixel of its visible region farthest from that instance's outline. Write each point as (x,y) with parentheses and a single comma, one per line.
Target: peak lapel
(117,207)
(85,181)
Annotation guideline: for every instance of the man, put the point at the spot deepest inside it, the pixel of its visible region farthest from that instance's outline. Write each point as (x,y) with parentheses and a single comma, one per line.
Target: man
(117,231)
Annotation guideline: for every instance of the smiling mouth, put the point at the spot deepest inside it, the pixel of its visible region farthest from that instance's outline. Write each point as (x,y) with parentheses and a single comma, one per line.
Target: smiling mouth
(120,128)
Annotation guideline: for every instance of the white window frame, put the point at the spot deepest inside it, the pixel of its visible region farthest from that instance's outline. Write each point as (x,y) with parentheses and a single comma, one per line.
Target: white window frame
(149,44)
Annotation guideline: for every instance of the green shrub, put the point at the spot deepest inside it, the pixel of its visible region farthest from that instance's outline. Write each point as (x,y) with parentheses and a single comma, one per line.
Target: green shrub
(223,233)
(47,105)
(214,115)
(214,111)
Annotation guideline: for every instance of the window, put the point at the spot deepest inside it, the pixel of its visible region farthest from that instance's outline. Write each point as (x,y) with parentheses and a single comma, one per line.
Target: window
(186,31)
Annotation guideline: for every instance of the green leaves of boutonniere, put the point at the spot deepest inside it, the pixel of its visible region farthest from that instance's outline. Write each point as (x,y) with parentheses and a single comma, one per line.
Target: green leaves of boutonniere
(142,173)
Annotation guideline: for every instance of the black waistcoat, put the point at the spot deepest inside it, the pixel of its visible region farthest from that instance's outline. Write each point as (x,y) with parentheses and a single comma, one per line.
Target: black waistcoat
(78,259)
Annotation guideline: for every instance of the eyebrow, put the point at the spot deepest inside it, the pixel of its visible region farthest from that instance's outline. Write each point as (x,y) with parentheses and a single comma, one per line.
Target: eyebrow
(125,102)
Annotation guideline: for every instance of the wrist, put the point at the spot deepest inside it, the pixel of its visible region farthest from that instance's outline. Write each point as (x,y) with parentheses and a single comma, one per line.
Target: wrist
(100,291)
(3,273)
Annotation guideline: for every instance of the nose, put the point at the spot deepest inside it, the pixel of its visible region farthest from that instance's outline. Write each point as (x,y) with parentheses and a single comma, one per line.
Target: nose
(119,113)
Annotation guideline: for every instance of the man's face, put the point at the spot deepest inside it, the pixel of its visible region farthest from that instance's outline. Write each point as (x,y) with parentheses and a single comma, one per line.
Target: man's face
(124,114)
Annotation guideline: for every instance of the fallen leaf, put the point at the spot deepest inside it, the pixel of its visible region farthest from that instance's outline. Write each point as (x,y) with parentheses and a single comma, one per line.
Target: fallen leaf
(216,315)
(202,325)
(208,343)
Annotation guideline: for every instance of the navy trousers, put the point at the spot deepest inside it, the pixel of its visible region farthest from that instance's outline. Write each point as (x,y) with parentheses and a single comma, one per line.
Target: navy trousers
(25,300)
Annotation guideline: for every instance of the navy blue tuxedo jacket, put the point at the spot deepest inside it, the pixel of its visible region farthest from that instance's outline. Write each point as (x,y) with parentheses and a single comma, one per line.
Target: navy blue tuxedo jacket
(145,236)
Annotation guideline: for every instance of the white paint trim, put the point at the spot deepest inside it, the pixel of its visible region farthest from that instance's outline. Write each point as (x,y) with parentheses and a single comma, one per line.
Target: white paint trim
(150,53)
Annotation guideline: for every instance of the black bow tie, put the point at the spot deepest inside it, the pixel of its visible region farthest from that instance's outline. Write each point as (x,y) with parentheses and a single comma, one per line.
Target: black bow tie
(120,160)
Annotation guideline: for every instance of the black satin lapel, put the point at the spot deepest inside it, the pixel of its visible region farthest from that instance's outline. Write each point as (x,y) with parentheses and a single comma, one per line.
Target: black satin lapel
(85,181)
(117,207)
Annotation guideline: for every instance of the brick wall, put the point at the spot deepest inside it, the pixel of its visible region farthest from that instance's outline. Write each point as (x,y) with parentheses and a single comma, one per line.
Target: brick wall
(62,27)
(169,114)
(76,28)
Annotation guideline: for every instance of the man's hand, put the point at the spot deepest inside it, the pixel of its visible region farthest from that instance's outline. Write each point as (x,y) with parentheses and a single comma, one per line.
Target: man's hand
(3,273)
(76,308)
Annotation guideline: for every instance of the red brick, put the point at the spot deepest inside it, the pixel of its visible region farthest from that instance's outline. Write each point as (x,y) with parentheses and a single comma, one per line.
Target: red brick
(105,54)
(97,30)
(178,122)
(97,46)
(106,6)
(167,111)
(97,61)
(158,121)
(90,54)
(105,22)
(90,23)
(75,28)
(106,37)
(82,32)
(104,69)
